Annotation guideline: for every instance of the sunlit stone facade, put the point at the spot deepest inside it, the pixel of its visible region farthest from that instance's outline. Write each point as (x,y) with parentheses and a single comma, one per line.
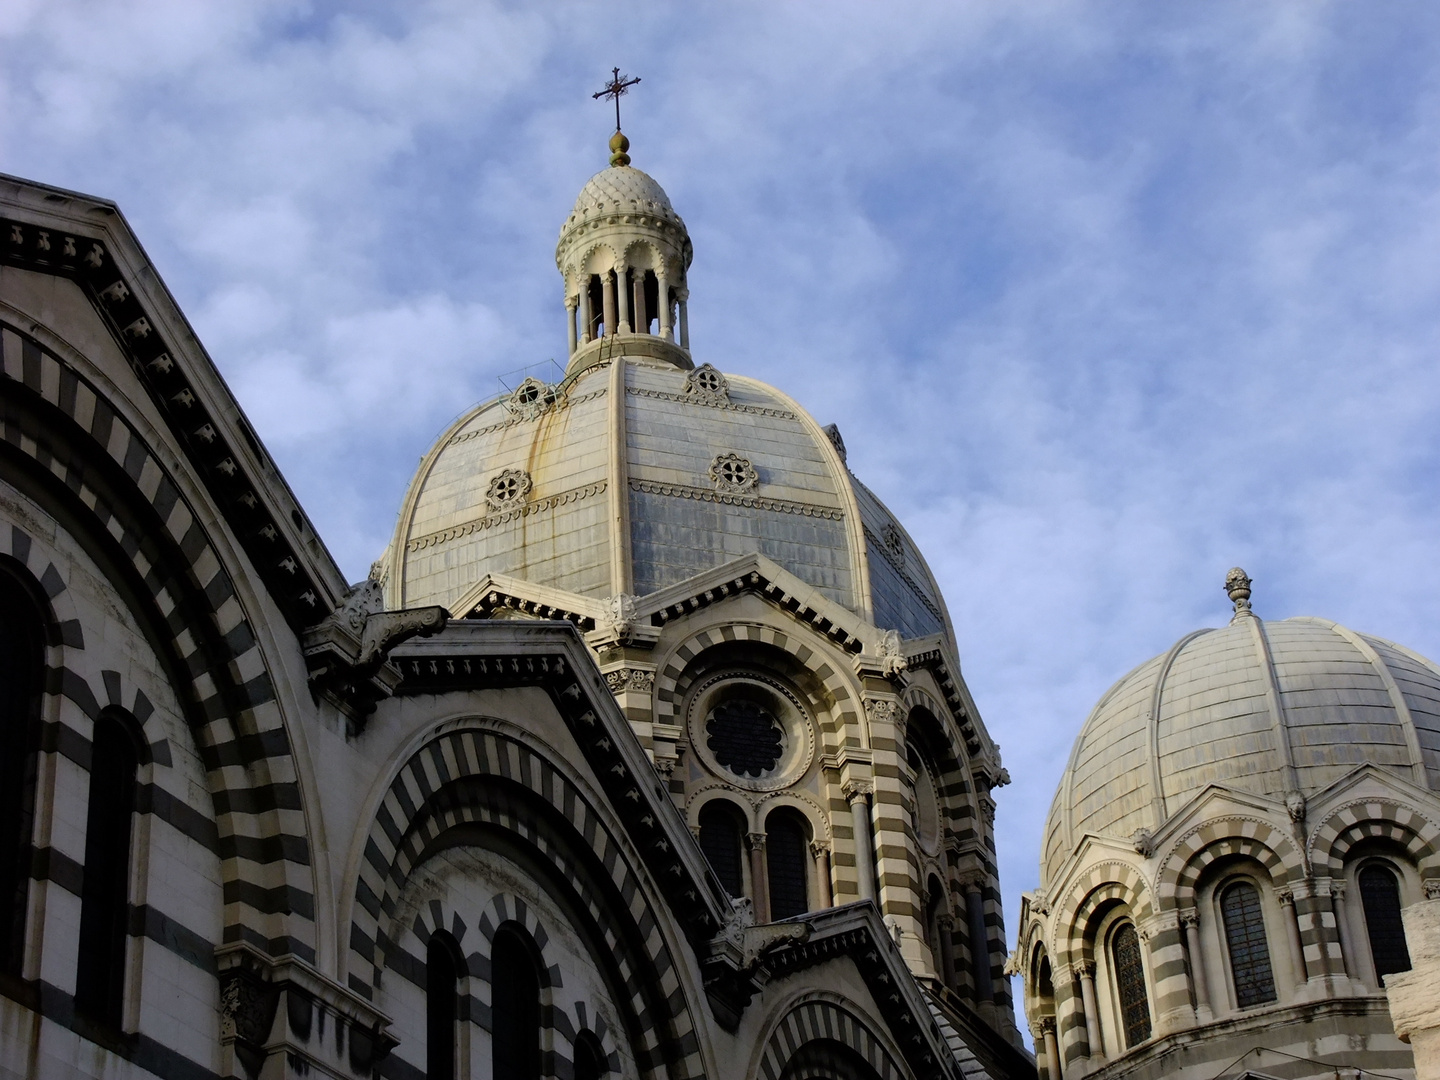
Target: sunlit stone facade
(1241,823)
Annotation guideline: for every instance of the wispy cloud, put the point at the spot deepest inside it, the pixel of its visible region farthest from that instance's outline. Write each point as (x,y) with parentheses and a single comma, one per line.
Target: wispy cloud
(1105,297)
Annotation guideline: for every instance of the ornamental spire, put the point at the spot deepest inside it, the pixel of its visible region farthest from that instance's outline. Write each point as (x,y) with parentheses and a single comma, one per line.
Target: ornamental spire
(1237,587)
(616,88)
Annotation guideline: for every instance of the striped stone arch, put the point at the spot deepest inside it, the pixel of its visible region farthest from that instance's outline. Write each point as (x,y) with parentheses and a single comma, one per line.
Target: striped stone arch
(63,444)
(1375,818)
(1114,880)
(814,1020)
(833,719)
(489,777)
(1217,839)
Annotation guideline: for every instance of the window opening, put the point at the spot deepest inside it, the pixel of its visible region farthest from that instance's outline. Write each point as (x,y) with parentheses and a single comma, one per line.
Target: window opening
(785,864)
(720,841)
(1130,982)
(1245,938)
(105,888)
(442,1000)
(1380,897)
(515,993)
(744,737)
(590,1061)
(22,671)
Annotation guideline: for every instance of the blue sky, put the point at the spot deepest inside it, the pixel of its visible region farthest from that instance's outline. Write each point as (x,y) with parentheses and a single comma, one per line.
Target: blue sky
(1105,297)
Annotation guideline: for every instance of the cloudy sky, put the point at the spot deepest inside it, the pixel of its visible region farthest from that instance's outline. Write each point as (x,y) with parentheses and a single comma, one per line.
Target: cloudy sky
(1104,297)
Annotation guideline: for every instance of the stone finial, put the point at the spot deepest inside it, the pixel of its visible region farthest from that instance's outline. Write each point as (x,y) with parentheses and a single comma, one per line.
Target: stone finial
(619,144)
(1237,587)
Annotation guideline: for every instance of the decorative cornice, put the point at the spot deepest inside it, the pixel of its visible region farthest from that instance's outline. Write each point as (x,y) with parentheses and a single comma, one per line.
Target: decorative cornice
(729,498)
(710,403)
(522,418)
(489,521)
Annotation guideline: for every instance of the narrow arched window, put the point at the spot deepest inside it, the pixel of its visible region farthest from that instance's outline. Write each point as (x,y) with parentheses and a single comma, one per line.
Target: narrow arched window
(1245,941)
(785,863)
(515,1005)
(720,841)
(22,679)
(590,1060)
(1130,984)
(105,889)
(443,969)
(1380,897)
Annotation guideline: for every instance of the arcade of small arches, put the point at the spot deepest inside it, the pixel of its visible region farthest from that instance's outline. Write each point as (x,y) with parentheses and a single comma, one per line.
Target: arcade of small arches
(1238,927)
(639,292)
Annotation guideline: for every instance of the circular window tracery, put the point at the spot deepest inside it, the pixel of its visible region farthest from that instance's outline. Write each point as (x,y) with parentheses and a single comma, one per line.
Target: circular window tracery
(744,737)
(731,472)
(507,488)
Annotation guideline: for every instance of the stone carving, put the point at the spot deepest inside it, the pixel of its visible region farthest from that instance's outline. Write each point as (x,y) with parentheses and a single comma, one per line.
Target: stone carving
(883,710)
(892,659)
(833,434)
(1144,842)
(1432,888)
(856,789)
(531,398)
(894,542)
(707,385)
(731,498)
(1237,587)
(1295,806)
(508,488)
(633,680)
(247,1009)
(731,472)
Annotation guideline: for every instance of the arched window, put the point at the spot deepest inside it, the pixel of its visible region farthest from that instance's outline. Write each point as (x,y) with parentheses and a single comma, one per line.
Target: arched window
(1380,897)
(1245,940)
(105,889)
(720,827)
(1129,971)
(444,966)
(515,1005)
(22,679)
(785,863)
(590,1061)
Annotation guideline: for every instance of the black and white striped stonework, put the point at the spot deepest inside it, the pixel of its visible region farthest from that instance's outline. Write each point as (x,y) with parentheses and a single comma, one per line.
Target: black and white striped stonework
(489,774)
(821,1039)
(64,445)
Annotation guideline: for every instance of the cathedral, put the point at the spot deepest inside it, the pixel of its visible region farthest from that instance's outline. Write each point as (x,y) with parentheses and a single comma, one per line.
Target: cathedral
(642,752)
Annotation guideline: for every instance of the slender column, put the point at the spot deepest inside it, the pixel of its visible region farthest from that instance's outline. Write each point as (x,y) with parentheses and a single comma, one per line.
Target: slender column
(1052,1048)
(622,291)
(1337,901)
(821,853)
(571,303)
(667,329)
(1190,920)
(642,324)
(945,929)
(587,316)
(1086,970)
(608,300)
(856,793)
(1292,932)
(758,877)
(684,294)
(979,939)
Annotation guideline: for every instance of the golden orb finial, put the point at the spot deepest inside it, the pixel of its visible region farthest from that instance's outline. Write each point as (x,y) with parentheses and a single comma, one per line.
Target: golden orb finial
(618,145)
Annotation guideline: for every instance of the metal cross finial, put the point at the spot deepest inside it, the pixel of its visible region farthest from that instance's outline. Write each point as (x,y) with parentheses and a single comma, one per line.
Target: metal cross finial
(617,86)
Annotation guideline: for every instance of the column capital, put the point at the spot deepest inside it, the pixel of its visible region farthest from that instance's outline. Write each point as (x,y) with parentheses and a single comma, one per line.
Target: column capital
(1046,1025)
(945,920)
(572,302)
(1285,895)
(1337,889)
(854,790)
(818,848)
(755,839)
(972,880)
(1085,969)
(1189,917)
(1432,888)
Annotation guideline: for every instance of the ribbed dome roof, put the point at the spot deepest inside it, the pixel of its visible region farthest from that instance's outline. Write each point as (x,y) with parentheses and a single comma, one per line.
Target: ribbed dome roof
(1229,706)
(622,188)
(799,507)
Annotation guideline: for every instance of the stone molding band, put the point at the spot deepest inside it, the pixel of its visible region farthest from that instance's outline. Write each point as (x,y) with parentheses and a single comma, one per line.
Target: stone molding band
(491,520)
(784,506)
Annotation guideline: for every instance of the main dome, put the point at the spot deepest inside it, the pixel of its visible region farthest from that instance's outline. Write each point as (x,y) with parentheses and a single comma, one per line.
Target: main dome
(1265,707)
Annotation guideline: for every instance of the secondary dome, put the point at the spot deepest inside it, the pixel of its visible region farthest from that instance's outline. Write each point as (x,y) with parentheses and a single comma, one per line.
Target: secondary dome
(1269,707)
(621,188)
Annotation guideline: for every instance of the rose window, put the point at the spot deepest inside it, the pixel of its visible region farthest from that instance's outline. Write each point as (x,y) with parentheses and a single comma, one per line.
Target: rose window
(507,489)
(731,472)
(744,737)
(709,381)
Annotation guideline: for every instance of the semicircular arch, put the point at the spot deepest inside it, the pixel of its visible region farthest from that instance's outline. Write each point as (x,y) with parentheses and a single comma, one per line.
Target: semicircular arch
(1219,838)
(1375,818)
